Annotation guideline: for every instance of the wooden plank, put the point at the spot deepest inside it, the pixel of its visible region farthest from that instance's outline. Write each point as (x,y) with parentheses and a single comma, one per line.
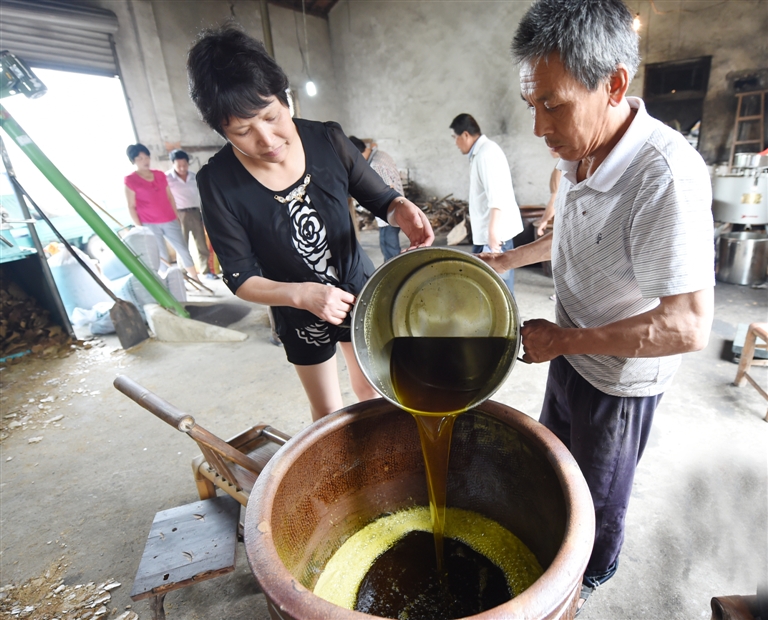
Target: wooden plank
(188,544)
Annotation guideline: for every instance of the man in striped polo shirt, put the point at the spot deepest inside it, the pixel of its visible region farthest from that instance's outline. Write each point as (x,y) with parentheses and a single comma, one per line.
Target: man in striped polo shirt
(632,251)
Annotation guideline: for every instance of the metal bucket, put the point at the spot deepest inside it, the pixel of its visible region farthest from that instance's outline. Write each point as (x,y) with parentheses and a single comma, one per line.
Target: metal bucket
(347,469)
(432,292)
(742,257)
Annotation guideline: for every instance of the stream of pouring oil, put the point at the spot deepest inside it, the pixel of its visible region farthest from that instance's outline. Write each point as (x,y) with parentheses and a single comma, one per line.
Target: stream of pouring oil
(436,379)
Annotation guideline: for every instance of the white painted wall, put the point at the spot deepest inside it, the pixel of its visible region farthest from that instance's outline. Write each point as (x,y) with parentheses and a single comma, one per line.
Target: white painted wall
(408,68)
(400,70)
(152,42)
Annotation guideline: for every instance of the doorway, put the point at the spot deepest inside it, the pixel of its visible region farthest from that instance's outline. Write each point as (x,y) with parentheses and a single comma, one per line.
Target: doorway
(83,126)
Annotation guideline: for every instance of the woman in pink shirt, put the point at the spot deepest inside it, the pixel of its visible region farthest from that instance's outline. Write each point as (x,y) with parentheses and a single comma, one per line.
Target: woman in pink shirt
(151,204)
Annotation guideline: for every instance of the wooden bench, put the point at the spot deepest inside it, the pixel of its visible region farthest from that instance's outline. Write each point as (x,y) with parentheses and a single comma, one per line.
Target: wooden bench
(185,545)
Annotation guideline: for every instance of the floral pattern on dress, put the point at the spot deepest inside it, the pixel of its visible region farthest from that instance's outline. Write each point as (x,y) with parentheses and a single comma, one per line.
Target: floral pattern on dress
(308,233)
(310,239)
(315,334)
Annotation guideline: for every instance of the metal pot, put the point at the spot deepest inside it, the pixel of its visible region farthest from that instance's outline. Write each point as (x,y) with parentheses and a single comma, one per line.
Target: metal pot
(433,292)
(742,258)
(746,160)
(345,470)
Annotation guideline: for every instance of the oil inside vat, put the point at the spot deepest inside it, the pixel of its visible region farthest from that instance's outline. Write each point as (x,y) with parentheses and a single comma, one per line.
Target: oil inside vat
(387,569)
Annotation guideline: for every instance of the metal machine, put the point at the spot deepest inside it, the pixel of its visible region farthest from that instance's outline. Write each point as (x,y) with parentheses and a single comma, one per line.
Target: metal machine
(16,77)
(741,197)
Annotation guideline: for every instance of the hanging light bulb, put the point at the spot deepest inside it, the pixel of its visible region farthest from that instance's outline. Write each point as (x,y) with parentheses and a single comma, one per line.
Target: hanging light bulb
(636,22)
(311,88)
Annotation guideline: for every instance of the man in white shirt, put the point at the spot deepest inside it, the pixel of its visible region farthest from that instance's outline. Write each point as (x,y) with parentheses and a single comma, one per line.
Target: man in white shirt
(632,253)
(183,186)
(493,212)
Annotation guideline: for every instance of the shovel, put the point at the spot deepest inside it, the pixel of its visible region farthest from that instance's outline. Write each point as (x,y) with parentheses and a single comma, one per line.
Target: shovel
(126,318)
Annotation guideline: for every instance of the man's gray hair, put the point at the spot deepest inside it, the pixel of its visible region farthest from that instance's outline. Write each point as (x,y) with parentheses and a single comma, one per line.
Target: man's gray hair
(592,37)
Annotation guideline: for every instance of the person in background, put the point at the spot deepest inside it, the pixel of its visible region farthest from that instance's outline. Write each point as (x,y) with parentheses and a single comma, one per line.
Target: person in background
(549,211)
(493,211)
(548,216)
(183,184)
(384,165)
(151,204)
(274,203)
(632,252)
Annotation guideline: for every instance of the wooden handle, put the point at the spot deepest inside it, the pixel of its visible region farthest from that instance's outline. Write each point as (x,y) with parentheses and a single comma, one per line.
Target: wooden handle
(151,402)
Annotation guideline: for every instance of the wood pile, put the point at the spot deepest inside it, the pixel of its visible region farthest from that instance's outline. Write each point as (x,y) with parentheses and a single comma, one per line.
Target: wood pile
(26,328)
(444,214)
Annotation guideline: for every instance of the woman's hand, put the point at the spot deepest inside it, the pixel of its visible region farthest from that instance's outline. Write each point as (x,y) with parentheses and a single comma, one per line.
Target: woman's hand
(412,221)
(326,302)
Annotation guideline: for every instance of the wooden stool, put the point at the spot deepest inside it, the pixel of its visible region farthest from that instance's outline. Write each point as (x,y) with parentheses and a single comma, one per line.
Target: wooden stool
(187,544)
(756,330)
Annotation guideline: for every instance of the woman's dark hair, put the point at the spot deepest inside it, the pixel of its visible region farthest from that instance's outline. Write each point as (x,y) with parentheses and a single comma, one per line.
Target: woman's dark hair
(465,122)
(231,74)
(134,150)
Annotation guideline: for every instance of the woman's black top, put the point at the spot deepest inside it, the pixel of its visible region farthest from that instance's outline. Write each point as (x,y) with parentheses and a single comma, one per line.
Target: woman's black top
(301,234)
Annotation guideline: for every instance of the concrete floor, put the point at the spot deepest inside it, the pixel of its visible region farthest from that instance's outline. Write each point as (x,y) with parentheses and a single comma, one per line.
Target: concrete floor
(89,489)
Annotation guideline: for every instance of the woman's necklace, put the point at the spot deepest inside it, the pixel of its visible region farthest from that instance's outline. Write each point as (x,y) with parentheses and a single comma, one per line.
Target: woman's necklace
(147,176)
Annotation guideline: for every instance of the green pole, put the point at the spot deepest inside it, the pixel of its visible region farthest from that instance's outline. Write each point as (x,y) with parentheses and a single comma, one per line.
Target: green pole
(99,226)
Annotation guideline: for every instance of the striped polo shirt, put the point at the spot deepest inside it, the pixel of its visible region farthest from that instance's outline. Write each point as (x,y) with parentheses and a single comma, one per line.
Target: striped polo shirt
(638,229)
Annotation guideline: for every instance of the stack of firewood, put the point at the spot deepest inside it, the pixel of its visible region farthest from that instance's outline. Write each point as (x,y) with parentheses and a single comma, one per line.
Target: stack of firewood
(27,328)
(444,214)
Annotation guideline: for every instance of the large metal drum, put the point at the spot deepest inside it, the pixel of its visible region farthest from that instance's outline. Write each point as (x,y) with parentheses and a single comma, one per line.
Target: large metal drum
(742,258)
(349,468)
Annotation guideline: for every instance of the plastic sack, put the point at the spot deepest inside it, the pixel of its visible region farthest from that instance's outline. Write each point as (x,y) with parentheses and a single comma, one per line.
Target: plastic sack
(174,282)
(112,267)
(97,318)
(77,287)
(103,325)
(143,243)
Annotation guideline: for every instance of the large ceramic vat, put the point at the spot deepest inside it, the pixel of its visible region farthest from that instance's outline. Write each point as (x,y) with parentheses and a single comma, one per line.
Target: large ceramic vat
(342,472)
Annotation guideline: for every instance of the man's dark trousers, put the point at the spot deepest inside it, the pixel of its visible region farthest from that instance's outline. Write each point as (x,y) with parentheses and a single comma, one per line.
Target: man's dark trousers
(606,435)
